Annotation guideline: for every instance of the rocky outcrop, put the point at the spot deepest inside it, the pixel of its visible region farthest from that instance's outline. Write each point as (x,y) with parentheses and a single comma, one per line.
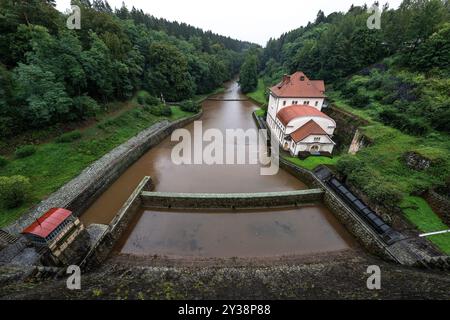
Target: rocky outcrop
(440,204)
(416,161)
(347,126)
(359,142)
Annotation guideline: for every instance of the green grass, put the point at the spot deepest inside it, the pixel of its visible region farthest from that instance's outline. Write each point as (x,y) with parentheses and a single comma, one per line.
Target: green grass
(420,214)
(259,94)
(311,163)
(260,112)
(54,164)
(383,159)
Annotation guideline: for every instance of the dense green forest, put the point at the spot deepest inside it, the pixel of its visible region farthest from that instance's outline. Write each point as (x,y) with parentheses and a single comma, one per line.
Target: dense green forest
(412,89)
(398,79)
(50,74)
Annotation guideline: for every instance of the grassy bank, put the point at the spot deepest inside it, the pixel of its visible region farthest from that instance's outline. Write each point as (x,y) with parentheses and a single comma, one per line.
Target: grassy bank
(55,163)
(259,95)
(381,168)
(420,214)
(313,162)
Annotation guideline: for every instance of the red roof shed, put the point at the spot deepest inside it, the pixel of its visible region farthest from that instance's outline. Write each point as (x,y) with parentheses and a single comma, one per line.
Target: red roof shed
(48,222)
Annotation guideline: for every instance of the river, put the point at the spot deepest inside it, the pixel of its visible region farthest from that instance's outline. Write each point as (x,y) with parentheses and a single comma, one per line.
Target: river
(212,234)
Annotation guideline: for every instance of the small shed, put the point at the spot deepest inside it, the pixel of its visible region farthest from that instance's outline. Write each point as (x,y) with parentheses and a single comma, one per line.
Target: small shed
(56,230)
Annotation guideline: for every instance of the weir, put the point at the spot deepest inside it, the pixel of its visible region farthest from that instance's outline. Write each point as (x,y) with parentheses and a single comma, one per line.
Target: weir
(264,200)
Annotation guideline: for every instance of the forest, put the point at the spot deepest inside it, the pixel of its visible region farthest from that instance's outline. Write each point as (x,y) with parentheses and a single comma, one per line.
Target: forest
(411,86)
(50,74)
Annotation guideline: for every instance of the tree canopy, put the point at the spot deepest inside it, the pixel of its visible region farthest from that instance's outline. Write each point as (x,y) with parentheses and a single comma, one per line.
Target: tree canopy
(50,74)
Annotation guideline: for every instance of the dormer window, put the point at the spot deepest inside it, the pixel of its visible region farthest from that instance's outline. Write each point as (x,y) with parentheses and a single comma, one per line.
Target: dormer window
(302,78)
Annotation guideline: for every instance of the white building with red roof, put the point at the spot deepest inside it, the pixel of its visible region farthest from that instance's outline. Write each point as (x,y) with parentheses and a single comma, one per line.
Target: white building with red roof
(294,115)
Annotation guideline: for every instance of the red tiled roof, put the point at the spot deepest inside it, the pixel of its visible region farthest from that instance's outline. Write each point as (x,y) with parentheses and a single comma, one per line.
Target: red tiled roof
(48,222)
(287,114)
(293,86)
(309,128)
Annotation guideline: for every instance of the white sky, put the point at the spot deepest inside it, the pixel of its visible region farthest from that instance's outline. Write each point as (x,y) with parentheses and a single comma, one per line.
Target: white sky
(250,20)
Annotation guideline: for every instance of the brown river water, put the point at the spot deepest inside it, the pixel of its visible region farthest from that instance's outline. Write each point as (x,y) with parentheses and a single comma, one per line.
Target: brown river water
(217,234)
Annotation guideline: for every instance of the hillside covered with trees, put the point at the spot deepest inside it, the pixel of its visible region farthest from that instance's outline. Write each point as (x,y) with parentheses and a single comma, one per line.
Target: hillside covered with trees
(398,79)
(50,74)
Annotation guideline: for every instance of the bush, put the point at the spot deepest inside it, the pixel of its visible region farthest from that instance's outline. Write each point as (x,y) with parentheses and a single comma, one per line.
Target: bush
(69,137)
(25,151)
(359,100)
(3,162)
(383,193)
(348,164)
(161,110)
(14,191)
(191,106)
(85,106)
(144,98)
(349,90)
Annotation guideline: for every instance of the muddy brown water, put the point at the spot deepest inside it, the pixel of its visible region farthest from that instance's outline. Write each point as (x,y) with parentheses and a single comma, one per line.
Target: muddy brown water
(263,233)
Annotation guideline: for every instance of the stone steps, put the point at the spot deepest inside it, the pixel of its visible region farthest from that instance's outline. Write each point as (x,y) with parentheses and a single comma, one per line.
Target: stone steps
(440,263)
(7,238)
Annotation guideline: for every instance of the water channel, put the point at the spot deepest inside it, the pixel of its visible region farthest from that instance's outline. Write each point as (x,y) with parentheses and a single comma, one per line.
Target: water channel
(304,230)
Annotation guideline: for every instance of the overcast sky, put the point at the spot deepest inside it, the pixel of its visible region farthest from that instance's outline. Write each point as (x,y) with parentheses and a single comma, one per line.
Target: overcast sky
(250,20)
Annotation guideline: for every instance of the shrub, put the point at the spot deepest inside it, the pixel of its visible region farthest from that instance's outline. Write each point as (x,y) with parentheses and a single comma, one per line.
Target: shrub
(69,137)
(14,191)
(85,106)
(349,90)
(359,100)
(383,193)
(3,162)
(347,164)
(25,151)
(144,98)
(161,110)
(190,106)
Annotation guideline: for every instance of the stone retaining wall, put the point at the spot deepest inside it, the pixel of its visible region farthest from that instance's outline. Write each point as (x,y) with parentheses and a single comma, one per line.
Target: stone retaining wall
(230,200)
(78,194)
(106,242)
(355,225)
(367,237)
(440,204)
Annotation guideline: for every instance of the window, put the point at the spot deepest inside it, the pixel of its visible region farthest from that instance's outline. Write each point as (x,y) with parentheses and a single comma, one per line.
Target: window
(316,139)
(317,103)
(306,103)
(284,103)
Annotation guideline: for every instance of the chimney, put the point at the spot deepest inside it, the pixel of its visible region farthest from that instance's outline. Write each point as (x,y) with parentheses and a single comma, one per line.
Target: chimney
(286,78)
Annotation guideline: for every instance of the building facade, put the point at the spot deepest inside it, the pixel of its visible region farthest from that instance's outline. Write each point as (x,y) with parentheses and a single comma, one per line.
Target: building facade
(55,230)
(294,115)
